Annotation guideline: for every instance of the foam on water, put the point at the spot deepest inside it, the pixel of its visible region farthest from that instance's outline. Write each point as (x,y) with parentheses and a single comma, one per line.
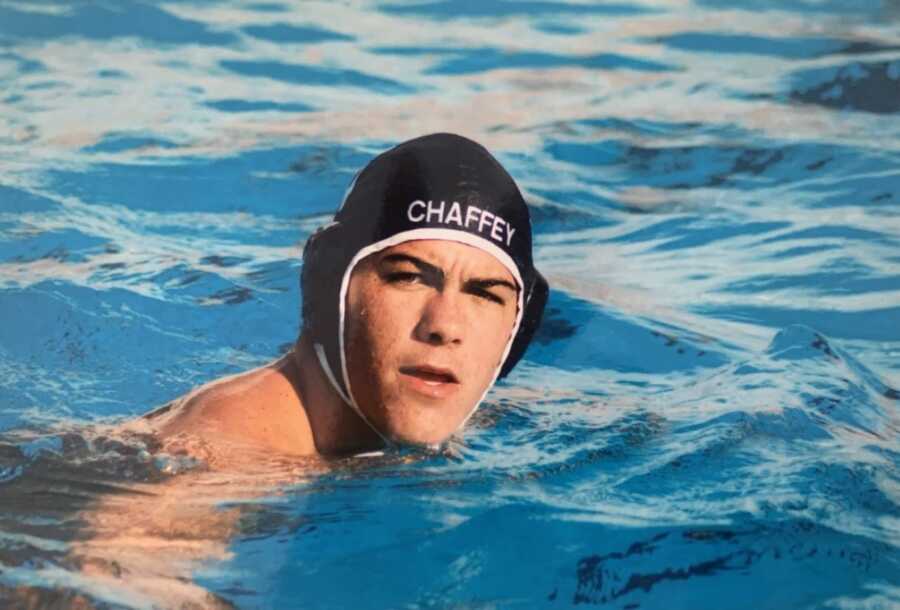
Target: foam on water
(707,418)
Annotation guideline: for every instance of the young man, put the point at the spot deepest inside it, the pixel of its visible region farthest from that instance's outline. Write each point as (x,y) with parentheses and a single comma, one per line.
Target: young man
(418,296)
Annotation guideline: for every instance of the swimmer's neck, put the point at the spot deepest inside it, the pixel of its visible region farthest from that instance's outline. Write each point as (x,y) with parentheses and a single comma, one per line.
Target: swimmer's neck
(336,428)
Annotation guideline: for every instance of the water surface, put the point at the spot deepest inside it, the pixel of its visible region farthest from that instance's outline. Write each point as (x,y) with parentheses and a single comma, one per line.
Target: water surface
(708,417)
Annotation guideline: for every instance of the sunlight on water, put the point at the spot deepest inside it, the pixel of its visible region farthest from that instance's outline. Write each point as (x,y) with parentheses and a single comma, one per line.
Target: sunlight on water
(707,418)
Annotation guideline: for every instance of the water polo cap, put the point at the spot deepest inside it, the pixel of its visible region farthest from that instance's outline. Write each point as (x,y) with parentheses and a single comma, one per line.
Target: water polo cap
(440,186)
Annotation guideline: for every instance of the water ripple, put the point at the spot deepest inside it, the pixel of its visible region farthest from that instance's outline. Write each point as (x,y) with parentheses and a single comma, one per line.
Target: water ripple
(708,415)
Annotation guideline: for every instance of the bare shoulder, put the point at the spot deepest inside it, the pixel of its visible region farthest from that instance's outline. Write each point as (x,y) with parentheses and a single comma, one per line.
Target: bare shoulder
(260,408)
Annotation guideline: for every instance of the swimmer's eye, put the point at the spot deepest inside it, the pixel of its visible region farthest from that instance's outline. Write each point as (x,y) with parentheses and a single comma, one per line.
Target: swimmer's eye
(403,277)
(489,296)
(487,289)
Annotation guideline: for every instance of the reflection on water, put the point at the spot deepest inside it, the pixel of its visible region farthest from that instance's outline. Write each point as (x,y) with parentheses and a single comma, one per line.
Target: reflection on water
(109,518)
(708,416)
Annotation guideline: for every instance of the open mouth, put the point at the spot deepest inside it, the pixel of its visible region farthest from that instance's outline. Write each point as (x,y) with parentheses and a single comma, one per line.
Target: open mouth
(430,375)
(432,383)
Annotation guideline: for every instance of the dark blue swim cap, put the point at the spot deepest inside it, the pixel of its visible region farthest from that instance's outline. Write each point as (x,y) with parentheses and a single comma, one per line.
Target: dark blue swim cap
(439,186)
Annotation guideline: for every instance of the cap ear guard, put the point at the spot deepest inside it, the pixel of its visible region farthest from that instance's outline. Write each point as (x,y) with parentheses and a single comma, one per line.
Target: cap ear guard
(325,258)
(535,300)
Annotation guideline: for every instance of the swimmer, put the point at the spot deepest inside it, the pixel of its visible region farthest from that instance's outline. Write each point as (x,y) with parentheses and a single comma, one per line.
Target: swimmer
(417,297)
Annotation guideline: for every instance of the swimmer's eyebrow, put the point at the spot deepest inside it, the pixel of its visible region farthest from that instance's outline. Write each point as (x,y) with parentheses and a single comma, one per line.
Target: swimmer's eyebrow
(418,262)
(481,283)
(490,283)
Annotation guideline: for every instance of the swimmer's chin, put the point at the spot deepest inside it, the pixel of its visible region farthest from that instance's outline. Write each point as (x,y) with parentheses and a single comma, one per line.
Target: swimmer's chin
(416,438)
(413,422)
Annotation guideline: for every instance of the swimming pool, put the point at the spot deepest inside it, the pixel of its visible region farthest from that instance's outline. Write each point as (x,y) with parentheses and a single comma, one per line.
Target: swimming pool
(709,417)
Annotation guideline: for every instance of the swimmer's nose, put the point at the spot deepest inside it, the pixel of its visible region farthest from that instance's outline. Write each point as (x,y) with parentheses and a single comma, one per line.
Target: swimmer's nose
(442,320)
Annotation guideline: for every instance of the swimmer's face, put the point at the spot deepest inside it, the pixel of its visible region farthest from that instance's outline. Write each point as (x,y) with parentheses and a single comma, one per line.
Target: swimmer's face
(427,324)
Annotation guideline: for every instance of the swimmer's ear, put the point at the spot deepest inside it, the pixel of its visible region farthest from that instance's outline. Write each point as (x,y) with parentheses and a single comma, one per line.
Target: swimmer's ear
(535,300)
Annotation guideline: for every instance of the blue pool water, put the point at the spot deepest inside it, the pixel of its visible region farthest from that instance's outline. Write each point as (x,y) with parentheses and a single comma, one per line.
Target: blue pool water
(708,418)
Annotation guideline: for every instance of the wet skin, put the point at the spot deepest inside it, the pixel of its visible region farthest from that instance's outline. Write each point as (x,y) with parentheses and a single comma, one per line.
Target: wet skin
(427,327)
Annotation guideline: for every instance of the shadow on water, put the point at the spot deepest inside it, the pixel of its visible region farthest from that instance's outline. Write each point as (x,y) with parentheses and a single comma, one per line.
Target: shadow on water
(869,87)
(578,335)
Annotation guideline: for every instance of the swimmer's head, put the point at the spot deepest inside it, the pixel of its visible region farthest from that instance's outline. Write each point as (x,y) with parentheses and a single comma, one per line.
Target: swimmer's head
(422,292)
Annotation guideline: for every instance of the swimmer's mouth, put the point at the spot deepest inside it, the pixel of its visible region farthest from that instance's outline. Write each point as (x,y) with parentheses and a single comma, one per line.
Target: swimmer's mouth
(430,374)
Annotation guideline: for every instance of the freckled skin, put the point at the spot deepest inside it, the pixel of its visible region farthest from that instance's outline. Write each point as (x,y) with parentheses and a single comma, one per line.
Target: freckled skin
(399,316)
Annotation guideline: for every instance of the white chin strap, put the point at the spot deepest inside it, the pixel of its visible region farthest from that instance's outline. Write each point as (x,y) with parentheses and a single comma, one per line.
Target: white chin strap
(323,362)
(404,236)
